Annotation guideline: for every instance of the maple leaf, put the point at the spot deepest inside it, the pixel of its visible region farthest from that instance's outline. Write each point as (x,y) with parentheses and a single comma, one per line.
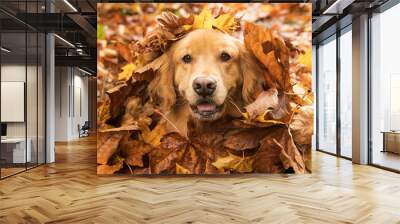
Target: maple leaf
(272,52)
(235,163)
(266,101)
(134,150)
(181,170)
(244,139)
(304,95)
(173,23)
(306,59)
(278,153)
(111,169)
(124,51)
(225,22)
(137,114)
(153,137)
(171,150)
(127,71)
(204,20)
(191,161)
(302,125)
(270,107)
(107,146)
(103,113)
(117,97)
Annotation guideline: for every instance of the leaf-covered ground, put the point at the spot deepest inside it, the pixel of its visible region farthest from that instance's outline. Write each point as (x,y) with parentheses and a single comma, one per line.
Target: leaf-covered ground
(274,133)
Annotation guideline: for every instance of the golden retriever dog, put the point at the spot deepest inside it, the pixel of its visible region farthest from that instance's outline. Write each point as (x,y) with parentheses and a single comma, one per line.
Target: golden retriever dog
(203,76)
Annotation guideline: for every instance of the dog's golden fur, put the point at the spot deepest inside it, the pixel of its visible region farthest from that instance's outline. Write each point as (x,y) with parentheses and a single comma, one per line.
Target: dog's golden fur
(238,79)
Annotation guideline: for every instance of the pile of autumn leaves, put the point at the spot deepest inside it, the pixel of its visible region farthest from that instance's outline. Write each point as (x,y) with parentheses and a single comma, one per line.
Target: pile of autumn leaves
(273,135)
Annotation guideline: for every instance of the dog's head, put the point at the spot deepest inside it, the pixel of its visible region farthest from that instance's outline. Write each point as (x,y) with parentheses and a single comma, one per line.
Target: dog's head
(206,68)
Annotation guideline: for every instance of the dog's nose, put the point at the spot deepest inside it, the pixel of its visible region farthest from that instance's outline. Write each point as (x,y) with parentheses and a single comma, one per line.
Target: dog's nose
(204,86)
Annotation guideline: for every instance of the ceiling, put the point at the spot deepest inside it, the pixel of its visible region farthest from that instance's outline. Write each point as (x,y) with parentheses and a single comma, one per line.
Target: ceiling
(74,22)
(332,15)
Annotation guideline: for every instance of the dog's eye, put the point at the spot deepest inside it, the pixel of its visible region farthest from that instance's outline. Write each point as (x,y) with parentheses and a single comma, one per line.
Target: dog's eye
(187,58)
(225,56)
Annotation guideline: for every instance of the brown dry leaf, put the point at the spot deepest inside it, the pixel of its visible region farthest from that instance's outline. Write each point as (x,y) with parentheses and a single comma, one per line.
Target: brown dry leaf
(191,161)
(170,151)
(111,169)
(103,113)
(181,170)
(124,51)
(210,169)
(133,152)
(137,114)
(266,101)
(245,139)
(154,65)
(173,23)
(271,52)
(270,107)
(157,41)
(117,96)
(278,153)
(107,146)
(303,95)
(235,163)
(302,125)
(153,137)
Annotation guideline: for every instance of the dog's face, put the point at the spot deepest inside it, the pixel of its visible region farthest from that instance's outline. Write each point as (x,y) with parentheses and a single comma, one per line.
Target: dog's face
(206,68)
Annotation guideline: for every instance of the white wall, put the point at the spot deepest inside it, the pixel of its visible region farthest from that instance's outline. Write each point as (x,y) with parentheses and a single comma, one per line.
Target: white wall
(71,102)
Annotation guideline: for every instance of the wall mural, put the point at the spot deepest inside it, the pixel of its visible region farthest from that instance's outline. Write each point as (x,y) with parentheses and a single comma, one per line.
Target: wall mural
(204,88)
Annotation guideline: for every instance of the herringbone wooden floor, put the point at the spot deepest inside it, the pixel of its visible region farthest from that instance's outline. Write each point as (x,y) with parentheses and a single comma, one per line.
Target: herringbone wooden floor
(69,191)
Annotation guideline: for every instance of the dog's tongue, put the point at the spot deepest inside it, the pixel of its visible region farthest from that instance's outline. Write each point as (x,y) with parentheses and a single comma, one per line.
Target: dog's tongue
(204,107)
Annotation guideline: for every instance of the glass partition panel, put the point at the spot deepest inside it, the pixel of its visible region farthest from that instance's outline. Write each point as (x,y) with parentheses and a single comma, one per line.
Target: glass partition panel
(31,98)
(327,96)
(346,93)
(14,150)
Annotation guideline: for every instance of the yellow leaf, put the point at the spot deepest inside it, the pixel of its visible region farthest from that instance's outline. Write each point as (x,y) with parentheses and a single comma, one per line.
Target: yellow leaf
(181,170)
(245,115)
(306,59)
(261,118)
(204,20)
(235,163)
(127,71)
(305,96)
(225,22)
(153,137)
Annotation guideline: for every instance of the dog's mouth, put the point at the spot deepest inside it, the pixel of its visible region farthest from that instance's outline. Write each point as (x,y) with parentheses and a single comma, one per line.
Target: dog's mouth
(206,108)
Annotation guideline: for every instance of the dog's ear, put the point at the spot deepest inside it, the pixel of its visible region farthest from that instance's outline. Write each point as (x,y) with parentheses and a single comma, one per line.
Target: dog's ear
(252,75)
(161,88)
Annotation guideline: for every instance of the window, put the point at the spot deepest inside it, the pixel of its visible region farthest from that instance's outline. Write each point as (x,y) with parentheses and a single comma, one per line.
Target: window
(346,92)
(385,89)
(327,96)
